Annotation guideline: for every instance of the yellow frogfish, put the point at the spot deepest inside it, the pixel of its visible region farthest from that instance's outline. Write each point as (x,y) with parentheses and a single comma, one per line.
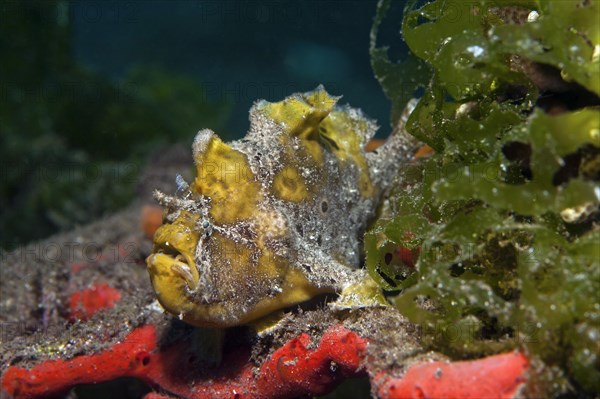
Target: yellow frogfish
(275,218)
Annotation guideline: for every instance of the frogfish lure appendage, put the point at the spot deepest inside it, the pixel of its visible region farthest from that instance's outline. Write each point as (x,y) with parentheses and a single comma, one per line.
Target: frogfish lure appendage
(275,218)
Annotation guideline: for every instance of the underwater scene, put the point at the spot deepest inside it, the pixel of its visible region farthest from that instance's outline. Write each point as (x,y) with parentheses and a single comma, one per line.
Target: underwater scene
(313,199)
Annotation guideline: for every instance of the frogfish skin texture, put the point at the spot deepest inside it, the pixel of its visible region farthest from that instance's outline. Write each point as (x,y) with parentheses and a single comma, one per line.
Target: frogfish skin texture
(275,218)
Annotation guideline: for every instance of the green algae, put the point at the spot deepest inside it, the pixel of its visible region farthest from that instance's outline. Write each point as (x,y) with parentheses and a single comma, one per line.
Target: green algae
(505,213)
(72,142)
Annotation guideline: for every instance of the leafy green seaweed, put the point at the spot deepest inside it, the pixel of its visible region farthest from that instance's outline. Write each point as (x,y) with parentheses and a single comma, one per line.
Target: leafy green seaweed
(505,214)
(401,80)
